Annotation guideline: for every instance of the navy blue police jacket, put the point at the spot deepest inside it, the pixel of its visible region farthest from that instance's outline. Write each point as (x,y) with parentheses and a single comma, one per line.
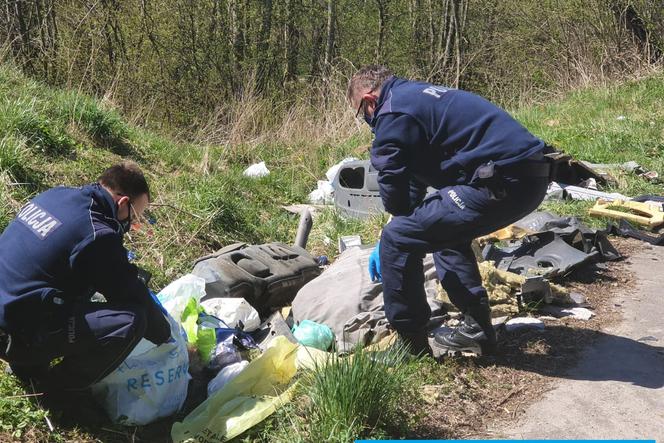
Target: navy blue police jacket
(64,245)
(427,135)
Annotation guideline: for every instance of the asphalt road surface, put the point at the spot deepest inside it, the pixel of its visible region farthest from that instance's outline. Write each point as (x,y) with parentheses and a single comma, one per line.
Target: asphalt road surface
(617,388)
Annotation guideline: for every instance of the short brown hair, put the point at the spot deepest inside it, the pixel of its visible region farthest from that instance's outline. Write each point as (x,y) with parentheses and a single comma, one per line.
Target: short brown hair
(125,178)
(371,76)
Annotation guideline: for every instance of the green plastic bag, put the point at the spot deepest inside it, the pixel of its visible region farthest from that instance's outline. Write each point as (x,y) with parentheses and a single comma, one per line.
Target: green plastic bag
(244,401)
(314,335)
(204,339)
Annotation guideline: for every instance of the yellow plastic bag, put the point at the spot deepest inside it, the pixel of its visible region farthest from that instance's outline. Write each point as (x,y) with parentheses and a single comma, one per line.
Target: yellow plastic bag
(246,400)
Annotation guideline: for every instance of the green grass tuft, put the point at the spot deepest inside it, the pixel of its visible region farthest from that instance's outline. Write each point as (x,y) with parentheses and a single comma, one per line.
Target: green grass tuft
(346,398)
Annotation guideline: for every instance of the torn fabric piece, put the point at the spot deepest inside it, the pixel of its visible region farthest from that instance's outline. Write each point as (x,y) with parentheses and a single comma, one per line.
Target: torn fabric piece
(345,299)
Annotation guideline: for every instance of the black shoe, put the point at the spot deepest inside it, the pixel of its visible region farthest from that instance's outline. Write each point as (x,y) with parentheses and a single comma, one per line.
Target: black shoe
(475,333)
(417,343)
(30,376)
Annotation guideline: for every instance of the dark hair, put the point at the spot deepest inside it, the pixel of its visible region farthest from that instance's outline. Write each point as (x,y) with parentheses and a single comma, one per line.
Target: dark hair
(125,178)
(371,77)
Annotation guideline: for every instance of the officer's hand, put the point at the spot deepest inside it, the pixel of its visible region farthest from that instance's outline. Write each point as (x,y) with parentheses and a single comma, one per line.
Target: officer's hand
(374,264)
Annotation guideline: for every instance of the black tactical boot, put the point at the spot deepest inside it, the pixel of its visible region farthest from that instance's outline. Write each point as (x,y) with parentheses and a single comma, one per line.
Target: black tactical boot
(417,343)
(474,334)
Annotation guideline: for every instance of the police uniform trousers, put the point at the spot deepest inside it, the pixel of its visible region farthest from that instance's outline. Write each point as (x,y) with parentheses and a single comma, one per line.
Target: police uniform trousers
(77,344)
(444,224)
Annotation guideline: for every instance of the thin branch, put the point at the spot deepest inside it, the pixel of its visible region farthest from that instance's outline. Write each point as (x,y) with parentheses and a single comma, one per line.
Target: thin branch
(38,394)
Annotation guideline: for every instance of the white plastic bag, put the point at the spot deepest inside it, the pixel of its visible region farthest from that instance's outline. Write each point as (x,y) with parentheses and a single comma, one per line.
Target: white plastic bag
(323,194)
(150,384)
(225,375)
(256,170)
(174,297)
(233,310)
(332,172)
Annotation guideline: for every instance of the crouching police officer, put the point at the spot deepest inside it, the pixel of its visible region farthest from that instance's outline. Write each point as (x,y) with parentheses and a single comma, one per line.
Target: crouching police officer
(488,171)
(63,246)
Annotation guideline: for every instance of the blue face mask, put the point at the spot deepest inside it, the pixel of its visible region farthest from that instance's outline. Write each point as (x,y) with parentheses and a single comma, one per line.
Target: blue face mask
(363,109)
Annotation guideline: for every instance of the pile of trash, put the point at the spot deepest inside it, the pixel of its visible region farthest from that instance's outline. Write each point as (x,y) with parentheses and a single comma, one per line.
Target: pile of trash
(249,317)
(353,188)
(226,330)
(517,271)
(249,364)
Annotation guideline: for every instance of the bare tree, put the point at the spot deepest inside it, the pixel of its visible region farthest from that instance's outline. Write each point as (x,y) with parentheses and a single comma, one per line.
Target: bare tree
(263,47)
(382,23)
(330,32)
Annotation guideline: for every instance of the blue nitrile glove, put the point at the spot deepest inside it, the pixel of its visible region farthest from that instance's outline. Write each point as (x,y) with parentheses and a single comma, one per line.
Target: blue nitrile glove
(374,264)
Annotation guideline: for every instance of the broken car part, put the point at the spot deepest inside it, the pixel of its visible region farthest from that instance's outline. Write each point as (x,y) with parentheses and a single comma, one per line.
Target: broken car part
(572,231)
(625,229)
(303,229)
(273,327)
(630,166)
(544,254)
(356,190)
(564,169)
(650,215)
(569,192)
(268,276)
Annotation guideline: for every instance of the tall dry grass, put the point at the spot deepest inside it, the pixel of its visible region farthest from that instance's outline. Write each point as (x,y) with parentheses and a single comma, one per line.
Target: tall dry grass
(313,114)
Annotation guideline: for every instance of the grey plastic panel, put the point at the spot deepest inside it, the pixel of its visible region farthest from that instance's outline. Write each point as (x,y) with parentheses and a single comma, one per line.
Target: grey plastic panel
(356,190)
(544,254)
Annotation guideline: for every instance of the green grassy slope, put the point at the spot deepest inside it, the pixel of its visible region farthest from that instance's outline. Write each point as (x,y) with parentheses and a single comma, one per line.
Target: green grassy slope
(201,199)
(202,202)
(608,125)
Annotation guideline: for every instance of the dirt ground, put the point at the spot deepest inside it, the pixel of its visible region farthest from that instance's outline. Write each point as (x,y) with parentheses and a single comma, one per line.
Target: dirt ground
(489,392)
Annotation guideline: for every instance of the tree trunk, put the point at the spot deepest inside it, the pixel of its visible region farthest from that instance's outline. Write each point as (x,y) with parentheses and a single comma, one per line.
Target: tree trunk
(263,46)
(330,33)
(25,46)
(291,37)
(418,34)
(382,18)
(447,54)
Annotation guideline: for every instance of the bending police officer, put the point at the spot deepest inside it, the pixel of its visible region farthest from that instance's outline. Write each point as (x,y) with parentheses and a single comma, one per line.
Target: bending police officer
(62,247)
(488,171)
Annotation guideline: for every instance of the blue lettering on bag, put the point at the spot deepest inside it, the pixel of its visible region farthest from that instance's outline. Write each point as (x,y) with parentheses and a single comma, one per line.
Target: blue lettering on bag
(147,380)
